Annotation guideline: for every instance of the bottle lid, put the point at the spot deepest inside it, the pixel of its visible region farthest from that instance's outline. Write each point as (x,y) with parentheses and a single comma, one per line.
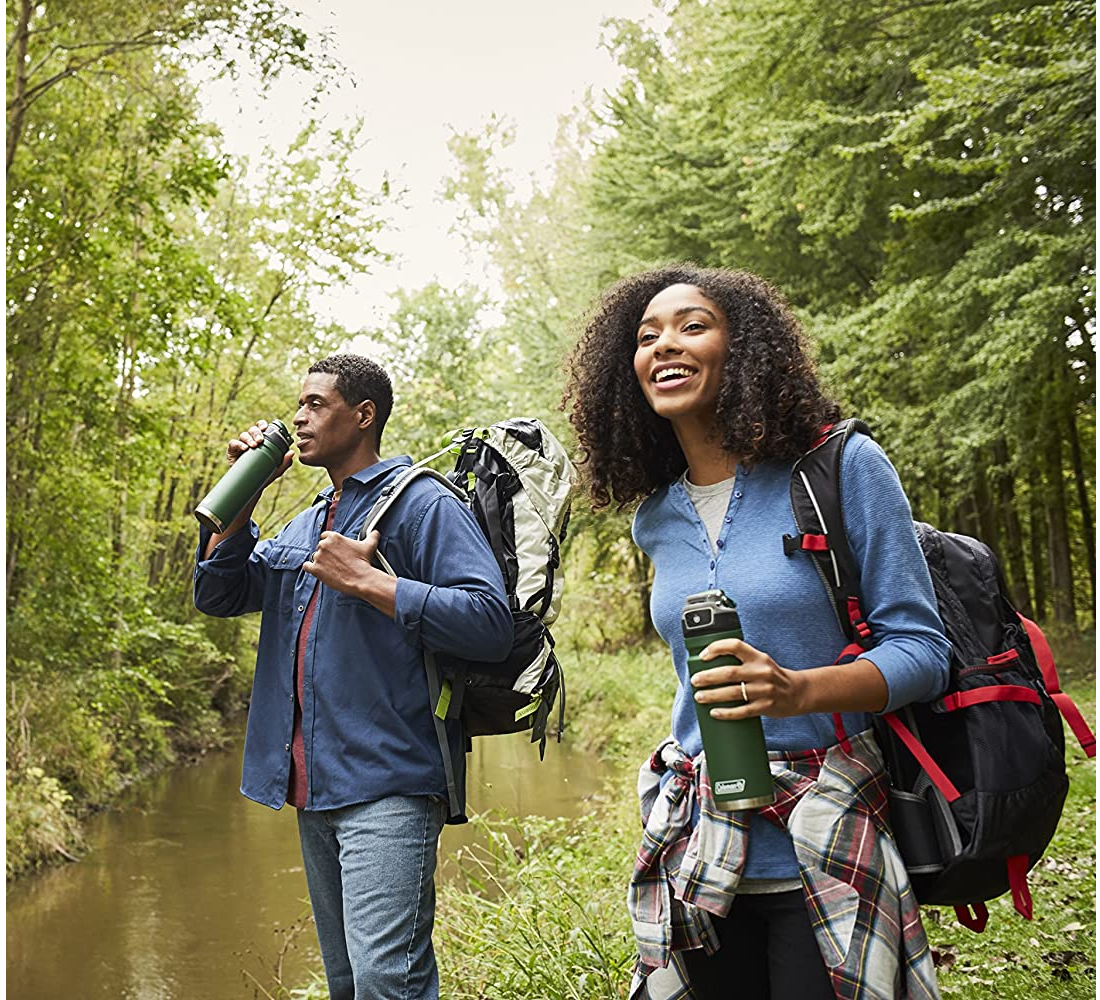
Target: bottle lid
(278,434)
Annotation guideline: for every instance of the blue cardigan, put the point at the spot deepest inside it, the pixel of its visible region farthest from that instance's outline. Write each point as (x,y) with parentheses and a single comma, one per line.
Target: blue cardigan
(784,609)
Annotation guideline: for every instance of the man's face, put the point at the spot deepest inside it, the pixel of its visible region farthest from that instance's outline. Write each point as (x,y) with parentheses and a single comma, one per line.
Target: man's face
(328,429)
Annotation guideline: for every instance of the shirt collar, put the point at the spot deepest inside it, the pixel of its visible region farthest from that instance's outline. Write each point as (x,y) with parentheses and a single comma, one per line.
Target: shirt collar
(367,476)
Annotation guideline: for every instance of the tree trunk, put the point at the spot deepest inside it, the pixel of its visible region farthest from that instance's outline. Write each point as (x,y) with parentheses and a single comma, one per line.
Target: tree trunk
(1037,536)
(983,508)
(1012,539)
(1061,561)
(17,105)
(1079,473)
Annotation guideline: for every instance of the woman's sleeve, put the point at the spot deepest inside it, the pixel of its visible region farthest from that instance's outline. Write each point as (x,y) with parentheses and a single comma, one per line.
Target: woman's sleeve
(896,593)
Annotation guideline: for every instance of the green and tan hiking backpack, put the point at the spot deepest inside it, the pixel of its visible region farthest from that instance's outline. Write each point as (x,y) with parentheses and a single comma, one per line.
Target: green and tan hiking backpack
(517,480)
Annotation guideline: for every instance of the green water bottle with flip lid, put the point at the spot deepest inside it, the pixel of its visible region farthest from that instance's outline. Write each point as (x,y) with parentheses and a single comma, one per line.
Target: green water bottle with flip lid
(244,479)
(737,758)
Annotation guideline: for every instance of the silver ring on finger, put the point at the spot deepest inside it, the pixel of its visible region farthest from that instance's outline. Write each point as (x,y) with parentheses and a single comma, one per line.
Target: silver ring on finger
(744,692)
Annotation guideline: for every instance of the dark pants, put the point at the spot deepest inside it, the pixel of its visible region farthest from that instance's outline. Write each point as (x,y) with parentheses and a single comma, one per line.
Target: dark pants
(768,952)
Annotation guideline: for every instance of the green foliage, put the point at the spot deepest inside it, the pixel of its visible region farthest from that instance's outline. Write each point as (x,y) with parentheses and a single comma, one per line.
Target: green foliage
(158,301)
(919,180)
(38,824)
(436,348)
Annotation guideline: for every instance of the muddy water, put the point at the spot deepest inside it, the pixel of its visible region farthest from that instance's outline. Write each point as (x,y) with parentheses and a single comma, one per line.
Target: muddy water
(190,891)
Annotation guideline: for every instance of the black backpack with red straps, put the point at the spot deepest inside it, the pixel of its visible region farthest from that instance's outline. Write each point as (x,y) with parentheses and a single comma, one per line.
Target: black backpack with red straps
(978,776)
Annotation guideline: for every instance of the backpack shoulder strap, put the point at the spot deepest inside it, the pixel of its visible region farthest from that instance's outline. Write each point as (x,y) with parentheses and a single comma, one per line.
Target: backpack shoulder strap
(394,489)
(816,501)
(439,690)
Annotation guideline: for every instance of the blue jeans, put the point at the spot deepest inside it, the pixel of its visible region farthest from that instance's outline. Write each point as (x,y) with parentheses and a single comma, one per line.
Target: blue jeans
(370,870)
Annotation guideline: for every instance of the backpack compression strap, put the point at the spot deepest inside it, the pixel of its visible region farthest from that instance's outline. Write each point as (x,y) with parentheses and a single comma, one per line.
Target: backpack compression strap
(1070,712)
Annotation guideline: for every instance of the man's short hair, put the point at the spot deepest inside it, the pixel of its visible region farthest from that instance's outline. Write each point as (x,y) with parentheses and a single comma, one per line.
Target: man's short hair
(359,378)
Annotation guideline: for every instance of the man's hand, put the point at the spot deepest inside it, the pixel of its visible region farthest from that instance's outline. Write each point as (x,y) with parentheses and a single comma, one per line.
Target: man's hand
(344,564)
(253,438)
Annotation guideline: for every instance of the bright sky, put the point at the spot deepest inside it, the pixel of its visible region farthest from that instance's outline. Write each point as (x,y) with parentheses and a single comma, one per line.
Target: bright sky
(422,67)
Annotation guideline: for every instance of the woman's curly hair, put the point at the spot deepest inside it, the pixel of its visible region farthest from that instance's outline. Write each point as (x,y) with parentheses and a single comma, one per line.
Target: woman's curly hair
(770,403)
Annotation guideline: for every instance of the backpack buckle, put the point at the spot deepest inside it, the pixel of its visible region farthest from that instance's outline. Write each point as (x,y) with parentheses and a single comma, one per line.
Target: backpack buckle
(805,543)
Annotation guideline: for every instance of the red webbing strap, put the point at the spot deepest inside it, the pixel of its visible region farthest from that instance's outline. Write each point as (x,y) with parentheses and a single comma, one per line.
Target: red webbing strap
(1042,654)
(1017,880)
(852,651)
(1006,657)
(841,735)
(1070,712)
(815,543)
(996,692)
(916,748)
(976,922)
(1076,721)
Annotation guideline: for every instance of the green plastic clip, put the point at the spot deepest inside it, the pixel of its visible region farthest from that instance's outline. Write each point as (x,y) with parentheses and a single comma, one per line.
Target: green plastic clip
(530,708)
(444,702)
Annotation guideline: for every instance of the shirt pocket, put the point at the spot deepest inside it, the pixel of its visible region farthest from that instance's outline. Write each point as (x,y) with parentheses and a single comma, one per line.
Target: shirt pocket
(284,563)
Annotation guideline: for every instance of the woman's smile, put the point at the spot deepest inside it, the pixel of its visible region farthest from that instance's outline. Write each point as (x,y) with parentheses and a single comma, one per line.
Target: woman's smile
(681,351)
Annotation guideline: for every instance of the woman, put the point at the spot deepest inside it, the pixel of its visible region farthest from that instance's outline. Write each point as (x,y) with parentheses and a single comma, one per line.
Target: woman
(692,391)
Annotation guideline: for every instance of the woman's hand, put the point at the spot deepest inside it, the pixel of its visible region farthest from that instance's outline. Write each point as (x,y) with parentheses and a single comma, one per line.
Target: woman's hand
(776,692)
(771,690)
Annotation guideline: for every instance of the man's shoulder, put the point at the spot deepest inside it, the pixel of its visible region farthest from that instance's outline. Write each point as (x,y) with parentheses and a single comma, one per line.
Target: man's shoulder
(424,491)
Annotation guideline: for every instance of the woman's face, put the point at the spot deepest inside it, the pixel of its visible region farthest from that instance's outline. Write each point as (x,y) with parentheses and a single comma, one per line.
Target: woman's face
(681,349)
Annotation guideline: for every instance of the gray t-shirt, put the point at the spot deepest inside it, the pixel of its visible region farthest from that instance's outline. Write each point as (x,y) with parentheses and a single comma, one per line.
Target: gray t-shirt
(711,503)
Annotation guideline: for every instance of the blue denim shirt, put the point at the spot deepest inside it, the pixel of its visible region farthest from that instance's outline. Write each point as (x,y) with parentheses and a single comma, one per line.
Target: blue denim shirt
(366,719)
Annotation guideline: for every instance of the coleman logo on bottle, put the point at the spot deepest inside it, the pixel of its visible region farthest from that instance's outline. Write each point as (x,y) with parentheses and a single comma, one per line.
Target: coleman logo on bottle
(729,787)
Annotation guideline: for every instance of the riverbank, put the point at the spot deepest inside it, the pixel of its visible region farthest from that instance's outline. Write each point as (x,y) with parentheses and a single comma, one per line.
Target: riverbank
(75,747)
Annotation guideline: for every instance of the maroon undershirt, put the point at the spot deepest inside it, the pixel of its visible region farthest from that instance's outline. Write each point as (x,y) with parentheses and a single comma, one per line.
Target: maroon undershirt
(298,786)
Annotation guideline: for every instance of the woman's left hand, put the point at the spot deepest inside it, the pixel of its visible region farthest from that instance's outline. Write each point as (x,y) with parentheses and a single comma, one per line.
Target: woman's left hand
(771,690)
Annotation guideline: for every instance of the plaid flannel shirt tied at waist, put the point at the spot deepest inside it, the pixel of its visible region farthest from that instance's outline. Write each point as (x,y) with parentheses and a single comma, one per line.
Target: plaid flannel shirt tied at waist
(833,802)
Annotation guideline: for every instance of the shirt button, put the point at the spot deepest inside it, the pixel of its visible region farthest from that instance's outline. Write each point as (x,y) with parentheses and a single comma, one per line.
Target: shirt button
(712,564)
(287,746)
(728,519)
(721,544)
(301,607)
(737,495)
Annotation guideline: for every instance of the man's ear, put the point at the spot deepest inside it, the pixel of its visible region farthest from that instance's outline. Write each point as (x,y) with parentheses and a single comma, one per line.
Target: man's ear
(367,413)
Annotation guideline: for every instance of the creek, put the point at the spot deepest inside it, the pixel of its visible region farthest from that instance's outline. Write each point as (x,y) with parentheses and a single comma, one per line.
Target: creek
(187,890)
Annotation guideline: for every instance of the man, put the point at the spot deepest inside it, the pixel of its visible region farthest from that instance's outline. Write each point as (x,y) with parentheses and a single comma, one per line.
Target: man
(340,723)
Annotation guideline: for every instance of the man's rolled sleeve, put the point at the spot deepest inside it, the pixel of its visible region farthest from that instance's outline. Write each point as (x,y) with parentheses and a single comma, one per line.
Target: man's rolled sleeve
(409,603)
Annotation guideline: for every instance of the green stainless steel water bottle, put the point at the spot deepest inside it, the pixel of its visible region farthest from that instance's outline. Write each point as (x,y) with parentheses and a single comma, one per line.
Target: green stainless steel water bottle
(737,759)
(245,478)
